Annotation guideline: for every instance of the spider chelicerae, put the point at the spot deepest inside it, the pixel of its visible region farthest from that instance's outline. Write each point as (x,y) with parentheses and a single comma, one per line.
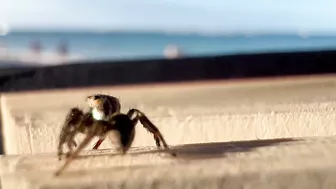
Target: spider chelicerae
(104,116)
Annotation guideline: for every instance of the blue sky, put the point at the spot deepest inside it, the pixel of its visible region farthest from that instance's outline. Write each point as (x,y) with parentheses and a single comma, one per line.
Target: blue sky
(172,15)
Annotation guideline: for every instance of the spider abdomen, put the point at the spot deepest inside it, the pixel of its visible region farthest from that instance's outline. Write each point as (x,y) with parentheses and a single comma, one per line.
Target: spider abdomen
(125,128)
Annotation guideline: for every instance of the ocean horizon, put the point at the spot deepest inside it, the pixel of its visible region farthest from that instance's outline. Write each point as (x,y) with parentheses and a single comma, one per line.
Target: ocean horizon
(119,45)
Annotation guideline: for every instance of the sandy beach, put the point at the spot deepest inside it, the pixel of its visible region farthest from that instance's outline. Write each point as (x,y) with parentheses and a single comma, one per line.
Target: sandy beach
(30,58)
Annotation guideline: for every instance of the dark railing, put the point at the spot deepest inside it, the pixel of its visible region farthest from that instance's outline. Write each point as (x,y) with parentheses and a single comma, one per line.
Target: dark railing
(97,73)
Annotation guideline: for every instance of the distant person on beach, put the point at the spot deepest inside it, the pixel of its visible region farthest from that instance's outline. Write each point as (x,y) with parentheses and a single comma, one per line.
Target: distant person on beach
(36,46)
(63,48)
(172,52)
(3,49)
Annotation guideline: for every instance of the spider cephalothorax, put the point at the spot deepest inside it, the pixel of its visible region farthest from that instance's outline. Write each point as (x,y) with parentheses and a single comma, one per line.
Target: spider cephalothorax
(103,105)
(124,124)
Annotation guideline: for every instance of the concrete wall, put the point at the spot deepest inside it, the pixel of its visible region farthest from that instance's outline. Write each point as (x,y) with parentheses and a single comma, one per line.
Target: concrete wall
(220,111)
(277,133)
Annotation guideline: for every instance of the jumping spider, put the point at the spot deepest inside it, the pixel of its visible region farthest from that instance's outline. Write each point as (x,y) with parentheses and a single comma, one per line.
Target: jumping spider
(123,124)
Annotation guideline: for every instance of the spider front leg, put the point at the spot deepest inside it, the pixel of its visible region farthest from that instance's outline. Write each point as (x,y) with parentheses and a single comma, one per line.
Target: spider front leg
(96,129)
(136,115)
(69,129)
(74,154)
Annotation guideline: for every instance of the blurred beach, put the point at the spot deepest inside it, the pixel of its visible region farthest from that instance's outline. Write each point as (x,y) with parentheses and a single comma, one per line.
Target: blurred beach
(48,49)
(29,58)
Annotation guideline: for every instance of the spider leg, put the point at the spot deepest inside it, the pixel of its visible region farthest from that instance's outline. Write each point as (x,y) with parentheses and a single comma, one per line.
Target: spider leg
(94,131)
(136,115)
(73,155)
(98,143)
(71,142)
(73,118)
(74,143)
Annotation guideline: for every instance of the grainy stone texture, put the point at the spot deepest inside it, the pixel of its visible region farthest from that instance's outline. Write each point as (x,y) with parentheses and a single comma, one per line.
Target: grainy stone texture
(196,113)
(276,163)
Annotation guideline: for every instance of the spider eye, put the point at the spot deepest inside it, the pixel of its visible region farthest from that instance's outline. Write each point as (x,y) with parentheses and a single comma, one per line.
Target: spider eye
(95,97)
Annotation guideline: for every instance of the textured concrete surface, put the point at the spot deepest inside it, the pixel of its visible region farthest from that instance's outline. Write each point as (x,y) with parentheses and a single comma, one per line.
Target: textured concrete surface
(277,164)
(196,113)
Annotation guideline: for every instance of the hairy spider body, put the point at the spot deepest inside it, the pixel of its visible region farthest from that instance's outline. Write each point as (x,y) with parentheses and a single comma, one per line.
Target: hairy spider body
(101,107)
(123,124)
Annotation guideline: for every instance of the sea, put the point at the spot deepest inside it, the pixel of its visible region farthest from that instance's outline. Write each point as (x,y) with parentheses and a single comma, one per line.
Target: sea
(146,45)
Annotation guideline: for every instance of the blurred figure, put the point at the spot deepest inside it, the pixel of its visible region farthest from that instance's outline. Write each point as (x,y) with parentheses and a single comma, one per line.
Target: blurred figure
(172,51)
(63,48)
(36,47)
(3,49)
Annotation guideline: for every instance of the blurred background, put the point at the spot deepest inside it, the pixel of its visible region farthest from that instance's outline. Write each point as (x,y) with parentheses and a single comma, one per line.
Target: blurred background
(49,32)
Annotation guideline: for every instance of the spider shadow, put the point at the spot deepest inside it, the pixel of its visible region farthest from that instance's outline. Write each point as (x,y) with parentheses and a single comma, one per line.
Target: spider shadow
(204,150)
(220,149)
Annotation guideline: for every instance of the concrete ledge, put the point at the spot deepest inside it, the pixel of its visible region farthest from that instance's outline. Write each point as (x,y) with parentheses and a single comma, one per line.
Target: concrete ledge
(212,112)
(277,163)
